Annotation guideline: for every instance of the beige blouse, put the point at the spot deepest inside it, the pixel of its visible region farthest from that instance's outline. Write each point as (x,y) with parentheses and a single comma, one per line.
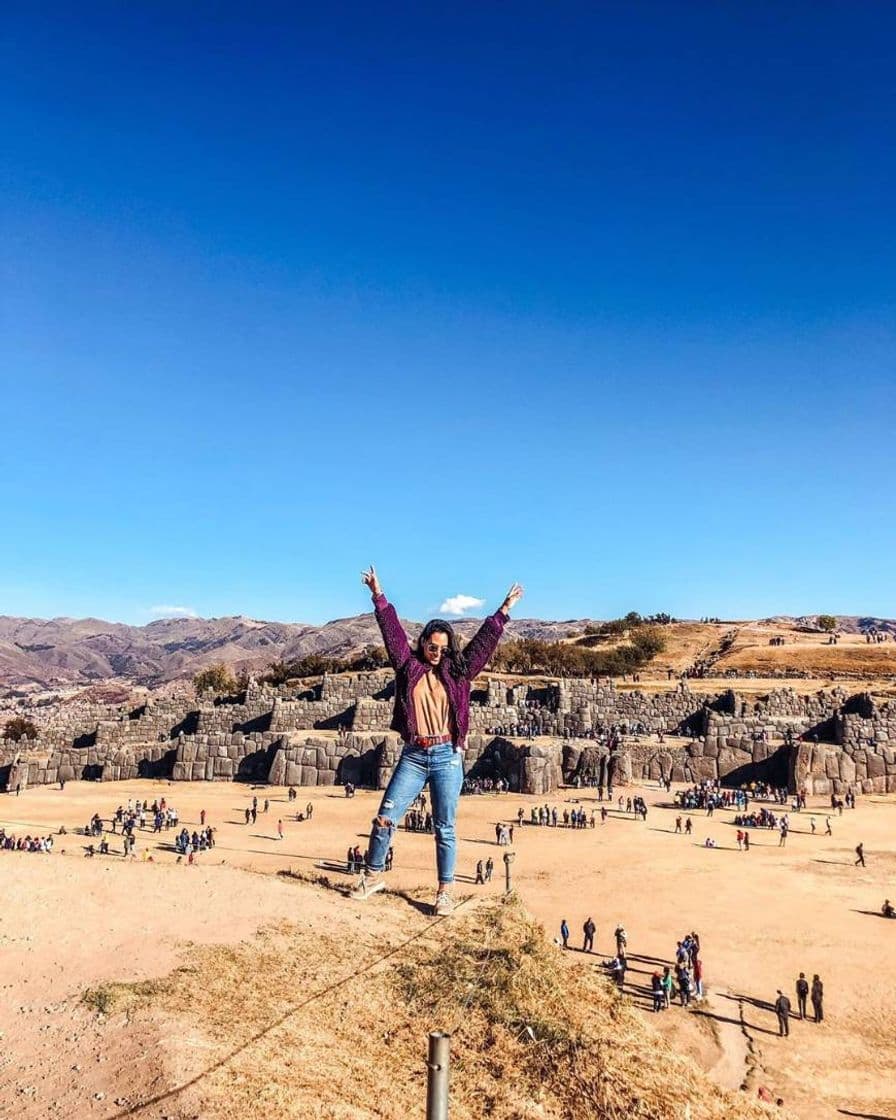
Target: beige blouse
(431,706)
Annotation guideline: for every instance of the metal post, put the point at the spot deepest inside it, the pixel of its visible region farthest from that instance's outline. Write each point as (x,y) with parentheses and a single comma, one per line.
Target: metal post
(508,860)
(437,1076)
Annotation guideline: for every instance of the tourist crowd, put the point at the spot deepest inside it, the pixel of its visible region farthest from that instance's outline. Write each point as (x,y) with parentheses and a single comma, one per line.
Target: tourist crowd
(9,842)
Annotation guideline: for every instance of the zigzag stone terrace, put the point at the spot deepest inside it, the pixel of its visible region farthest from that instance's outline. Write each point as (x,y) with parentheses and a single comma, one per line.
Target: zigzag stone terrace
(825,742)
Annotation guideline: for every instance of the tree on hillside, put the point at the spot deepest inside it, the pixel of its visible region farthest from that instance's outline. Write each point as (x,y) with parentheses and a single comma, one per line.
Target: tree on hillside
(373,657)
(648,641)
(217,679)
(827,622)
(19,728)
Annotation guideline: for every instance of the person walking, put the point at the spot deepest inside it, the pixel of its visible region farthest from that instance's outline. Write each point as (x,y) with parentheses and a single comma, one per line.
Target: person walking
(802,993)
(589,929)
(827,827)
(489,869)
(480,871)
(817,998)
(564,933)
(280,829)
(432,715)
(782,1010)
(860,854)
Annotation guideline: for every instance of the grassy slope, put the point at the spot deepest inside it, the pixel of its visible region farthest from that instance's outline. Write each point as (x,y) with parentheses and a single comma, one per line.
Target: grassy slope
(530,1037)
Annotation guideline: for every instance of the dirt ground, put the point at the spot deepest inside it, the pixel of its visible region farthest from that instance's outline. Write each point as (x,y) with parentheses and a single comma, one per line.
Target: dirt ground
(70,923)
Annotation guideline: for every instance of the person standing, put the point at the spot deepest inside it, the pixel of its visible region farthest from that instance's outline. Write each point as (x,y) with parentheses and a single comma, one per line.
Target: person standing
(782,1010)
(589,929)
(802,993)
(480,872)
(564,933)
(621,939)
(667,986)
(432,715)
(489,869)
(656,987)
(827,827)
(817,998)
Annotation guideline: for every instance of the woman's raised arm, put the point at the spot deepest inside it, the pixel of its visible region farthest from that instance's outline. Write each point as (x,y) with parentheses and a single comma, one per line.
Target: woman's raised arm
(394,637)
(512,597)
(482,644)
(372,580)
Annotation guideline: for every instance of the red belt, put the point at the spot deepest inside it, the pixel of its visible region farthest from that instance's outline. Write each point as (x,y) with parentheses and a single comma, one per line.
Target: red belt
(431,740)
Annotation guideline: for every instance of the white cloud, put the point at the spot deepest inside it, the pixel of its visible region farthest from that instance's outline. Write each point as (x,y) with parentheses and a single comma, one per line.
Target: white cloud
(460,604)
(173,612)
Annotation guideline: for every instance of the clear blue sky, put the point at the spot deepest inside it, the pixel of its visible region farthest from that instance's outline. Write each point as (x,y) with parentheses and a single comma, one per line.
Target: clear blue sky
(598,297)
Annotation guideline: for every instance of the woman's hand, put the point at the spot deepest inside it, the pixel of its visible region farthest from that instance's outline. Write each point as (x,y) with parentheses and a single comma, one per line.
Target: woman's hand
(513,596)
(371,579)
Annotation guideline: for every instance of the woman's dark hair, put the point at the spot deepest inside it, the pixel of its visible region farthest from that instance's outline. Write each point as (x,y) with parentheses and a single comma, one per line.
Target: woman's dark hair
(457,662)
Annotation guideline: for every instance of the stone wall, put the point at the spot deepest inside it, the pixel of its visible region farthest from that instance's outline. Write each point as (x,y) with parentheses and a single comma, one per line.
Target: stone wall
(735,738)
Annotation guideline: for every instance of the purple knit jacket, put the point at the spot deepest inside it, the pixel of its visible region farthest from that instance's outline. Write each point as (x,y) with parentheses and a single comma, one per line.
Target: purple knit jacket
(409,669)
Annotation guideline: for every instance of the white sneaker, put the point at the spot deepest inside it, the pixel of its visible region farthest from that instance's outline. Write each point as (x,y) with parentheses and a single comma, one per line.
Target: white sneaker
(444,904)
(367,885)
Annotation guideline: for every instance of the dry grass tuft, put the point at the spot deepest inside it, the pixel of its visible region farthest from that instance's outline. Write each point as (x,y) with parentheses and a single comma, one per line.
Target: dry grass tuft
(300,1023)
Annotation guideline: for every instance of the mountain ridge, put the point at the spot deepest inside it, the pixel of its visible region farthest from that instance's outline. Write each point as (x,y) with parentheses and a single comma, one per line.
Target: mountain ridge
(67,651)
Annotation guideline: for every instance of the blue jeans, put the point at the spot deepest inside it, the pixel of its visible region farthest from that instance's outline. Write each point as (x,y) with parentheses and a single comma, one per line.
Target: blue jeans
(442,767)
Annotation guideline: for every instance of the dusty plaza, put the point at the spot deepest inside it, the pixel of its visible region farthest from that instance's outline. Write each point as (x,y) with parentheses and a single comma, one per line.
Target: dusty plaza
(72,923)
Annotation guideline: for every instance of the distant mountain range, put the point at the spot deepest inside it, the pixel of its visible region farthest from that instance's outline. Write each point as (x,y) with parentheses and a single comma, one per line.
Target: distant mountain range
(65,652)
(61,652)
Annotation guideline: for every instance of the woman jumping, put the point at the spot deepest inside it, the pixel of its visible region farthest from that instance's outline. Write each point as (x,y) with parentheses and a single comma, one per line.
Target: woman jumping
(432,716)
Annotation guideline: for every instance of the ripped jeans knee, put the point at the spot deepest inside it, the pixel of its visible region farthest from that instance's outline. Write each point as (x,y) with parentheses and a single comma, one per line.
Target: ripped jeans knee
(381,831)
